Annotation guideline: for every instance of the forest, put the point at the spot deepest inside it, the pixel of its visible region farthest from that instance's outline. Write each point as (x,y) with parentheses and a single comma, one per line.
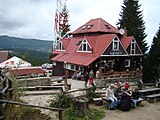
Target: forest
(32,50)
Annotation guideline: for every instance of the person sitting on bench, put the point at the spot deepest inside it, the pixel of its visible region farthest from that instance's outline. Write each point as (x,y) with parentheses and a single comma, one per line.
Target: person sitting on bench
(110,96)
(125,101)
(135,97)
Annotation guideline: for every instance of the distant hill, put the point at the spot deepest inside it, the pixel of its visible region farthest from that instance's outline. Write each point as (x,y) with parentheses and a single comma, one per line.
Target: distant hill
(7,42)
(33,50)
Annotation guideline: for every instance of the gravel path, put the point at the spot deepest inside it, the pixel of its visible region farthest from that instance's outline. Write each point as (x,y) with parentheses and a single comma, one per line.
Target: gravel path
(148,111)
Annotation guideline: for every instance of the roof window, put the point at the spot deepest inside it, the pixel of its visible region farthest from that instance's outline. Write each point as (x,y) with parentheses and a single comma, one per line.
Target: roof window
(89,26)
(108,26)
(84,27)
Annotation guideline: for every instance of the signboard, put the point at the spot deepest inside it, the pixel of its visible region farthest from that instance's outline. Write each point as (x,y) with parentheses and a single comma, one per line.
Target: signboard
(115,53)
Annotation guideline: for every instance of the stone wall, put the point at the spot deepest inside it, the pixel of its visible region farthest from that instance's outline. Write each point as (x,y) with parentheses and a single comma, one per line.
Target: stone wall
(39,81)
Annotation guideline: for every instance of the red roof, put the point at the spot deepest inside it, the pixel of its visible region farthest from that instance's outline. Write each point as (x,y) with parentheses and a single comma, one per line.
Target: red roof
(98,44)
(126,41)
(3,56)
(96,25)
(27,71)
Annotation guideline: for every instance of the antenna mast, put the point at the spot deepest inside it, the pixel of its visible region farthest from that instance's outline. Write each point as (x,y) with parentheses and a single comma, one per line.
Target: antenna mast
(59,19)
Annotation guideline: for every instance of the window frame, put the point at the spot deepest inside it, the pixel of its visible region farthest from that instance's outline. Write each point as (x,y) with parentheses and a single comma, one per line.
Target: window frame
(59,46)
(115,40)
(133,50)
(129,63)
(84,46)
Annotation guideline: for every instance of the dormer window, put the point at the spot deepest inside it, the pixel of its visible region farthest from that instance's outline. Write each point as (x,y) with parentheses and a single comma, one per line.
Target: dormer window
(115,44)
(84,27)
(84,46)
(133,47)
(59,46)
(108,26)
(87,27)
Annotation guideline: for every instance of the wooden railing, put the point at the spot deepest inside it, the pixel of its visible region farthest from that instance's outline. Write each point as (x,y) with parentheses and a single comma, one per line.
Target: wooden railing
(123,74)
(34,106)
(6,86)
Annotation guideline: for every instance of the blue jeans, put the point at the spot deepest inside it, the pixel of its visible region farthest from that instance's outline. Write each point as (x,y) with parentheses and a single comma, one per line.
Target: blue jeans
(135,103)
(113,102)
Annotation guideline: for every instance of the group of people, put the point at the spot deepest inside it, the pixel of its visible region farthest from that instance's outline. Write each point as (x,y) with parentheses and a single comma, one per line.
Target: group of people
(121,96)
(87,77)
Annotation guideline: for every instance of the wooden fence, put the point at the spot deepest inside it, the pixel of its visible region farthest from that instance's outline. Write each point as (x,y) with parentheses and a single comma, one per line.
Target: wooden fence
(5,87)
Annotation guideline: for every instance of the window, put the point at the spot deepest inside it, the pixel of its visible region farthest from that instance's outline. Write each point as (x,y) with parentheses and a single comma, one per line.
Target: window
(89,26)
(73,67)
(115,44)
(59,46)
(54,63)
(84,46)
(108,26)
(133,47)
(127,63)
(70,66)
(84,27)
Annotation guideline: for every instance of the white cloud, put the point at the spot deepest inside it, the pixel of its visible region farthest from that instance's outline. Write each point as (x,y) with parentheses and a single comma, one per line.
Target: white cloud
(35,18)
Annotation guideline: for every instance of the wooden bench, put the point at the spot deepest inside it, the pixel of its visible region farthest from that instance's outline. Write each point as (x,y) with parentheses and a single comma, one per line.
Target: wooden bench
(108,102)
(153,98)
(98,101)
(150,91)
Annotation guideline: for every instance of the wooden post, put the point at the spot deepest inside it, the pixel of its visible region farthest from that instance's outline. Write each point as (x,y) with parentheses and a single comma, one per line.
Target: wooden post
(5,82)
(65,79)
(60,115)
(1,106)
(10,88)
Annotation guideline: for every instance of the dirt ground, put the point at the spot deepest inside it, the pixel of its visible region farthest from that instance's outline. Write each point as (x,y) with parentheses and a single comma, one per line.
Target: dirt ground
(147,111)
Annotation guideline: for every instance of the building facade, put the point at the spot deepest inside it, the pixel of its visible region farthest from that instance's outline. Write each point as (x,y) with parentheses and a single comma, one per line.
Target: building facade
(97,45)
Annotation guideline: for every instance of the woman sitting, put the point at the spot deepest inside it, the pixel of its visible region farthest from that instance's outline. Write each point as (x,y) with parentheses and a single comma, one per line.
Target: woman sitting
(110,96)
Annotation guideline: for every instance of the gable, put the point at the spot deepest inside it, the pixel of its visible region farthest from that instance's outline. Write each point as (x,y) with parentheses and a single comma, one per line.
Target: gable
(84,46)
(115,48)
(133,48)
(59,46)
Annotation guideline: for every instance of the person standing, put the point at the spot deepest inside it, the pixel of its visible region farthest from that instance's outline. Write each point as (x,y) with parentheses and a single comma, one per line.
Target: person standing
(91,76)
(110,96)
(86,78)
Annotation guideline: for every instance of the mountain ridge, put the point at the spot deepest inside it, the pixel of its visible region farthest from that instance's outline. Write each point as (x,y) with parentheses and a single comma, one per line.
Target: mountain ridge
(7,42)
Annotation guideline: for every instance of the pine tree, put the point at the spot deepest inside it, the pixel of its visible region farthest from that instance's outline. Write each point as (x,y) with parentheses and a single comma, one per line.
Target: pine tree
(131,19)
(65,24)
(154,57)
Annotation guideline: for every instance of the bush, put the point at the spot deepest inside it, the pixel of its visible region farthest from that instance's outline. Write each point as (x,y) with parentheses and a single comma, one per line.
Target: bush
(91,94)
(61,101)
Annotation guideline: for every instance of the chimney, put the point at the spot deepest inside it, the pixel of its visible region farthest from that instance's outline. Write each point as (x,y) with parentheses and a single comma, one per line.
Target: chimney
(125,33)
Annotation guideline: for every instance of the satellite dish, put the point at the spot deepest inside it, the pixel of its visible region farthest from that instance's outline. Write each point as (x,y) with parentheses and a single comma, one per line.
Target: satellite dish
(121,31)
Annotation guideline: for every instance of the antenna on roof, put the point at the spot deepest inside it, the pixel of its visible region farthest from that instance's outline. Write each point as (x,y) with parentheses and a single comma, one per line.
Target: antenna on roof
(121,31)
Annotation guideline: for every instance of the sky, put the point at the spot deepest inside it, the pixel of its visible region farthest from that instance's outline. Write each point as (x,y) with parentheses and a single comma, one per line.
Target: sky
(35,18)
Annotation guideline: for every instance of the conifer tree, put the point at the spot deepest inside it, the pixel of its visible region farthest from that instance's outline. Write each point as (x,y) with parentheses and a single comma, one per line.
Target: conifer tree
(131,19)
(65,24)
(154,57)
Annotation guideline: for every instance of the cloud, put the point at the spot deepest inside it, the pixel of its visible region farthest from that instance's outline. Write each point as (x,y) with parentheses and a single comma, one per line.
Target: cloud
(27,18)
(35,18)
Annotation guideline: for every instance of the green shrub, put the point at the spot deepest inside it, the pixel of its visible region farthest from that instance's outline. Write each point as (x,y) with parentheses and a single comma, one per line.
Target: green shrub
(91,94)
(61,101)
